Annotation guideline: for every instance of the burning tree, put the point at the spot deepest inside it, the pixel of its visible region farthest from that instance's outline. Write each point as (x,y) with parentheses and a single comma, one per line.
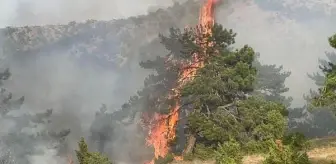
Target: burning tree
(205,89)
(188,51)
(216,83)
(204,80)
(218,100)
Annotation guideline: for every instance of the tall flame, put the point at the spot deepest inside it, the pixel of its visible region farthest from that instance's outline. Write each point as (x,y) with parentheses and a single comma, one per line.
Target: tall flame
(162,128)
(207,17)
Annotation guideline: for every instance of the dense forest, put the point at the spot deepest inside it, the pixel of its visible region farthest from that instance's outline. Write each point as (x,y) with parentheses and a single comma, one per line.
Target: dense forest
(234,106)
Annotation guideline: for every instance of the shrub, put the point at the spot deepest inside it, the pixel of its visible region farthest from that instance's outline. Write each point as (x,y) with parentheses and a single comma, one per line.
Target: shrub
(297,141)
(168,159)
(291,151)
(86,157)
(229,153)
(203,152)
(255,147)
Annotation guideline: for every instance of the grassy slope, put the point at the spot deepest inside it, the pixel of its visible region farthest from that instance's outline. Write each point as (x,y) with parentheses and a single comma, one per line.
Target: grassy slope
(323,151)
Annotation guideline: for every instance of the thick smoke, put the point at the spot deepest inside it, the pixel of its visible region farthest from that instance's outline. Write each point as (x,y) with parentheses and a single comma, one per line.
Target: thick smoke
(74,87)
(51,79)
(285,35)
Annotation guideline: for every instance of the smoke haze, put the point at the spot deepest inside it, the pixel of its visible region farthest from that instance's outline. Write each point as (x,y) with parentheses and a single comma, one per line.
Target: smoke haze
(37,12)
(278,35)
(283,36)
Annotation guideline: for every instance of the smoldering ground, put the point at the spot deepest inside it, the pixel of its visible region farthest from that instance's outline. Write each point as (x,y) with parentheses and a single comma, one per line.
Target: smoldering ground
(76,92)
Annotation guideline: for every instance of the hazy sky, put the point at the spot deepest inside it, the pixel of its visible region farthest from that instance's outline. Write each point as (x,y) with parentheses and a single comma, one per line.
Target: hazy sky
(7,9)
(22,12)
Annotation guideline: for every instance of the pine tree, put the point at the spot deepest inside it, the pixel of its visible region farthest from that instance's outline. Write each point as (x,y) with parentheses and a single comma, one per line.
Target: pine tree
(7,102)
(102,128)
(28,131)
(318,122)
(221,96)
(319,78)
(326,95)
(86,157)
(332,41)
(110,128)
(180,45)
(313,124)
(271,82)
(219,102)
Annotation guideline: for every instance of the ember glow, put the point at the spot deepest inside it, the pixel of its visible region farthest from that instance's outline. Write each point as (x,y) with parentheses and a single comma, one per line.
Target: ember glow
(162,128)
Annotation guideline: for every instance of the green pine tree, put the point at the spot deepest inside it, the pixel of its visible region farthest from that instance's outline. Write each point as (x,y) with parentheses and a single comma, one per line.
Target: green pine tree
(319,78)
(318,122)
(223,105)
(326,95)
(271,82)
(291,150)
(332,41)
(18,143)
(86,157)
(219,103)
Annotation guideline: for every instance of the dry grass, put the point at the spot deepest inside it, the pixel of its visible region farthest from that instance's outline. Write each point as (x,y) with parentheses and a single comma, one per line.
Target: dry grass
(323,151)
(323,142)
(253,159)
(194,162)
(321,155)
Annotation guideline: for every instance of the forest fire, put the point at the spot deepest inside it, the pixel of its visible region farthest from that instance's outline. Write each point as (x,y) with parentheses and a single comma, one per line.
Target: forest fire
(163,128)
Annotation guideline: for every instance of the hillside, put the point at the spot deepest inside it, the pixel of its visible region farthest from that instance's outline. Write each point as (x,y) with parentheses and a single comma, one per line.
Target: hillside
(322,151)
(104,50)
(105,42)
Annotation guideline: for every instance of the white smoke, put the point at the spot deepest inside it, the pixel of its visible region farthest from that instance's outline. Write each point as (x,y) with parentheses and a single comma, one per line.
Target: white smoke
(47,155)
(284,40)
(39,12)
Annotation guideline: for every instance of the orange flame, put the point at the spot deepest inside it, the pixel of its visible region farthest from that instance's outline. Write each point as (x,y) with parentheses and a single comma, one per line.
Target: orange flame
(207,13)
(162,128)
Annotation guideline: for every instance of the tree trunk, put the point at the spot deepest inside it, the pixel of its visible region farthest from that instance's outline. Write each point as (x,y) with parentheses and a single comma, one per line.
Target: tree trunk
(190,145)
